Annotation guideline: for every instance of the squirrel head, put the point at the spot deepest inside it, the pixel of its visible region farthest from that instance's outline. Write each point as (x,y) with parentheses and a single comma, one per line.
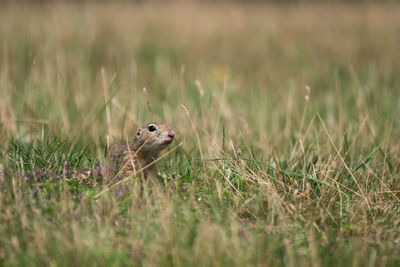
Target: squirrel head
(153,137)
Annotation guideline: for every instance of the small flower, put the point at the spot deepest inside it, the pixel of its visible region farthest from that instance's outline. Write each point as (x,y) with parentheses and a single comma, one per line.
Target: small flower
(39,174)
(119,194)
(67,165)
(122,190)
(28,176)
(121,176)
(184,188)
(67,168)
(99,171)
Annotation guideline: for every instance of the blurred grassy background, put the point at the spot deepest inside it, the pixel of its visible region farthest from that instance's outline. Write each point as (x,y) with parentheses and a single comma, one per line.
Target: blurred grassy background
(241,71)
(253,63)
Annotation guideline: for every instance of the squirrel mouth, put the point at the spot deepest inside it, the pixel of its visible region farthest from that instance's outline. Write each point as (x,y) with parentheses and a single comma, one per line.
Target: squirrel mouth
(168,141)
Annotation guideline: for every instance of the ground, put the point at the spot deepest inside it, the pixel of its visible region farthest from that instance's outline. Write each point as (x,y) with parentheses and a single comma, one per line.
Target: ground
(287,133)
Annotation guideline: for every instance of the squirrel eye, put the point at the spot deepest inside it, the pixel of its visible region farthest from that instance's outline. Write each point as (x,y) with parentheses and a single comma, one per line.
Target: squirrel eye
(152,128)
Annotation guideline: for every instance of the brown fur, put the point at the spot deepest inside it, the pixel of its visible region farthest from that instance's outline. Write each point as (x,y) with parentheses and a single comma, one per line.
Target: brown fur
(138,155)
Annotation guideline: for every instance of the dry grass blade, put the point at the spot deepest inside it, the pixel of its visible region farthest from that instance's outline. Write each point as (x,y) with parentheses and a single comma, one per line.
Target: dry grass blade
(344,164)
(109,187)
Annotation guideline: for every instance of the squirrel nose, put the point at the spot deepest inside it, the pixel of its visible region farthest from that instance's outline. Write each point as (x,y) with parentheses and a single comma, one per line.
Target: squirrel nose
(171,134)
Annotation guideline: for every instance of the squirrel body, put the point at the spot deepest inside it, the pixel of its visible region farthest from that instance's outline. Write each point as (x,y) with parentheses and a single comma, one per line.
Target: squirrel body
(138,155)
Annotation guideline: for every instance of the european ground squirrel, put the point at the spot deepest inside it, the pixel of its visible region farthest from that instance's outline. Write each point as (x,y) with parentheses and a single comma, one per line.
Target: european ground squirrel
(139,154)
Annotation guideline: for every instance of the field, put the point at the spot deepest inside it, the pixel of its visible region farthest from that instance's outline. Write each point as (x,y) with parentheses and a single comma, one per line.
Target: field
(287,123)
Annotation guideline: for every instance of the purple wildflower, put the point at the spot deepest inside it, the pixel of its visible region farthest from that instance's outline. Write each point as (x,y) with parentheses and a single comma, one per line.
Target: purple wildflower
(184,188)
(99,171)
(121,176)
(67,168)
(67,165)
(67,172)
(122,190)
(28,176)
(39,174)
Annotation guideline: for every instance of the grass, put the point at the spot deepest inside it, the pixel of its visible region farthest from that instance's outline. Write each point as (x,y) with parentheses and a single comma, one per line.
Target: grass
(287,116)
